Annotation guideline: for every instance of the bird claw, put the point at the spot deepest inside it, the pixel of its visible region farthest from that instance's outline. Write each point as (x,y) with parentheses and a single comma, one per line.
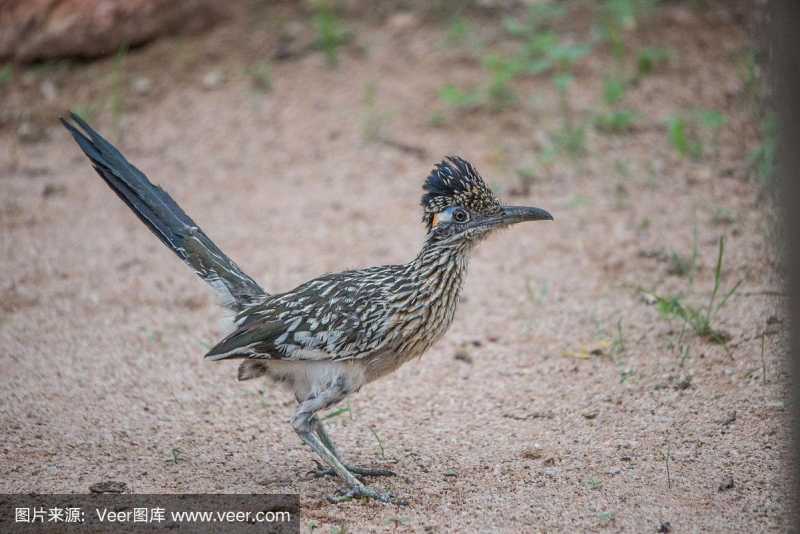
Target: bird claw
(365,492)
(322,471)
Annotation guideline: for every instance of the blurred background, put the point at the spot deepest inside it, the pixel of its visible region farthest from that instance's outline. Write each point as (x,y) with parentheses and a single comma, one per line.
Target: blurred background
(619,369)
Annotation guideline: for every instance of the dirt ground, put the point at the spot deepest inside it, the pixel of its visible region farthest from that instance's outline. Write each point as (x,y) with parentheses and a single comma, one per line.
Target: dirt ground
(560,400)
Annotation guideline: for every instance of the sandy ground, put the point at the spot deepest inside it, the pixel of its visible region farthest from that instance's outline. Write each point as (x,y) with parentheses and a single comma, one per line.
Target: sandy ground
(509,424)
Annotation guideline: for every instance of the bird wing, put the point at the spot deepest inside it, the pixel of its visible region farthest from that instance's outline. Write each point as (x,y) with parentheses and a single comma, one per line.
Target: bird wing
(334,317)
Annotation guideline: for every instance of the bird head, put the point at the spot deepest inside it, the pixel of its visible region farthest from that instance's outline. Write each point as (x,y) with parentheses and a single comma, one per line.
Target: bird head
(460,208)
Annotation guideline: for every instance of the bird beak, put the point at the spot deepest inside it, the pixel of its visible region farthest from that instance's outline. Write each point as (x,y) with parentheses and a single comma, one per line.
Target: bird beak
(518,214)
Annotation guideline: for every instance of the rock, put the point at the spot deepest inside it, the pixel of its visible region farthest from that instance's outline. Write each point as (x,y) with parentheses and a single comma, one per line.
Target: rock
(109,486)
(51,190)
(49,90)
(649,299)
(463,356)
(729,419)
(726,484)
(294,40)
(49,29)
(142,85)
(213,79)
(28,132)
(533,453)
(681,16)
(773,319)
(683,383)
(402,21)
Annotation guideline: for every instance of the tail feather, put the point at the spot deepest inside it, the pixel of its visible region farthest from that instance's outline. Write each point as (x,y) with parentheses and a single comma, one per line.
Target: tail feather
(162,215)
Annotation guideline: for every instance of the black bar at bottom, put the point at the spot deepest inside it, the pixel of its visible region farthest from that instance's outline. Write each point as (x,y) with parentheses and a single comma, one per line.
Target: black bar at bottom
(195,513)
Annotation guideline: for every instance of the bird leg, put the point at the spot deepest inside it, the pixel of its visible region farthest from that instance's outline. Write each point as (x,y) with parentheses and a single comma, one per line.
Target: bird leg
(325,438)
(319,428)
(302,423)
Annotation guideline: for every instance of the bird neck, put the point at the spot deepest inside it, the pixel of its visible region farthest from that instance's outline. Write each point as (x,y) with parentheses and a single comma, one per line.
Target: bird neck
(441,266)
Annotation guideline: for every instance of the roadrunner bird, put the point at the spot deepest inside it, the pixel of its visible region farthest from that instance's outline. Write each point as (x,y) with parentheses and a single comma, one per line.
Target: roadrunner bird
(331,335)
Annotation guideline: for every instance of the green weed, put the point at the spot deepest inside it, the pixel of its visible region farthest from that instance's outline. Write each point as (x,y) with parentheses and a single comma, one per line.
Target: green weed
(86,112)
(649,59)
(683,139)
(337,412)
(723,216)
(537,19)
(261,76)
(613,90)
(750,74)
(711,120)
(700,320)
(331,32)
(497,92)
(375,120)
(176,456)
(541,51)
(616,122)
(618,17)
(6,74)
(460,99)
(118,85)
(762,159)
(437,119)
(502,72)
(686,132)
(458,31)
(462,33)
(606,518)
(680,265)
(618,343)
(570,138)
(381,451)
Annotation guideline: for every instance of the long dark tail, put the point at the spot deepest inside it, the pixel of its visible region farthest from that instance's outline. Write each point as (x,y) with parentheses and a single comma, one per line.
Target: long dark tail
(166,219)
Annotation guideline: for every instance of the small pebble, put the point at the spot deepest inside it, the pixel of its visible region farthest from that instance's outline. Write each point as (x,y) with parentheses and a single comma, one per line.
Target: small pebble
(142,85)
(463,356)
(726,484)
(51,190)
(49,90)
(402,21)
(28,132)
(213,79)
(110,486)
(729,419)
(533,453)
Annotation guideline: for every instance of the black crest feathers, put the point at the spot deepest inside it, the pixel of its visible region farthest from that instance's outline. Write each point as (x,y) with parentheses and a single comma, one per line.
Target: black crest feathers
(455,182)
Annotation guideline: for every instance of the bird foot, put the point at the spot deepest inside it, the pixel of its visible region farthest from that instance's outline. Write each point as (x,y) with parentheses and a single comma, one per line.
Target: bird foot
(365,492)
(356,470)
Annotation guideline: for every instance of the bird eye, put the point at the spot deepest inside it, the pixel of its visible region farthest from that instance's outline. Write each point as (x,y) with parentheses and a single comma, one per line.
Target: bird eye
(460,215)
